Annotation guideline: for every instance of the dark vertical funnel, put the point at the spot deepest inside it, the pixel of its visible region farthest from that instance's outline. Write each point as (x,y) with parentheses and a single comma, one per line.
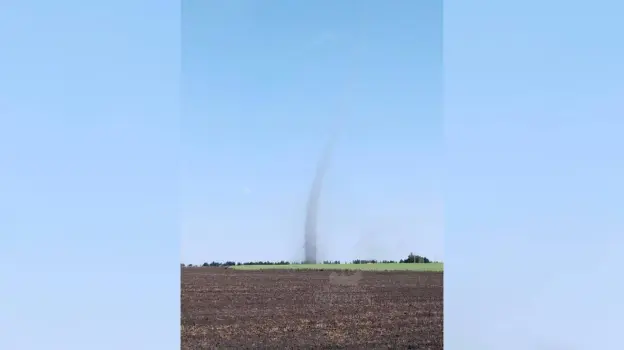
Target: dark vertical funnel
(313,204)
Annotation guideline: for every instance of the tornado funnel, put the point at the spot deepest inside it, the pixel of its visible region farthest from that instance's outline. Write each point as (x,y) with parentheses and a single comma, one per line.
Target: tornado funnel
(313,205)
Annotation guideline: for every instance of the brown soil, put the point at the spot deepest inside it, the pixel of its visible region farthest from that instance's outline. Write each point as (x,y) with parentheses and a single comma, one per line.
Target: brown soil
(287,309)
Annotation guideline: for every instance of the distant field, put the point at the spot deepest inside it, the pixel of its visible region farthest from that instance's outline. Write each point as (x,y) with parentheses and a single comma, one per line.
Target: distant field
(436,267)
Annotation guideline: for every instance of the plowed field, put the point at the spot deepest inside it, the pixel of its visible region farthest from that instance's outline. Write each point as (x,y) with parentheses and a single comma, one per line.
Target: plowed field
(304,309)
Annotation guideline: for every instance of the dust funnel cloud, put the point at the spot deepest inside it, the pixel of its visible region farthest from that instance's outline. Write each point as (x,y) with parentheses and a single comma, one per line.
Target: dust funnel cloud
(313,205)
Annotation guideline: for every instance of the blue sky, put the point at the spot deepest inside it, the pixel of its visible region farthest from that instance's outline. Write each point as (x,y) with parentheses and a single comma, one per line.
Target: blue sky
(533,193)
(89,105)
(265,84)
(90,152)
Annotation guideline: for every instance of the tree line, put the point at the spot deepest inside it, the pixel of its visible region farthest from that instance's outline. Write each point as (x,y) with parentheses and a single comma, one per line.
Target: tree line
(410,259)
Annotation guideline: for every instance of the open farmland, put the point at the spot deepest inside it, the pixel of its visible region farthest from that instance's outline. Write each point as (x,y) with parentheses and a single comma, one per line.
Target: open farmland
(431,267)
(303,309)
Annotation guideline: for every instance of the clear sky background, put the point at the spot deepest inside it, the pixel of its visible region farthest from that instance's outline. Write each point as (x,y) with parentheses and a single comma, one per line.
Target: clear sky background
(534,120)
(89,140)
(90,152)
(264,85)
